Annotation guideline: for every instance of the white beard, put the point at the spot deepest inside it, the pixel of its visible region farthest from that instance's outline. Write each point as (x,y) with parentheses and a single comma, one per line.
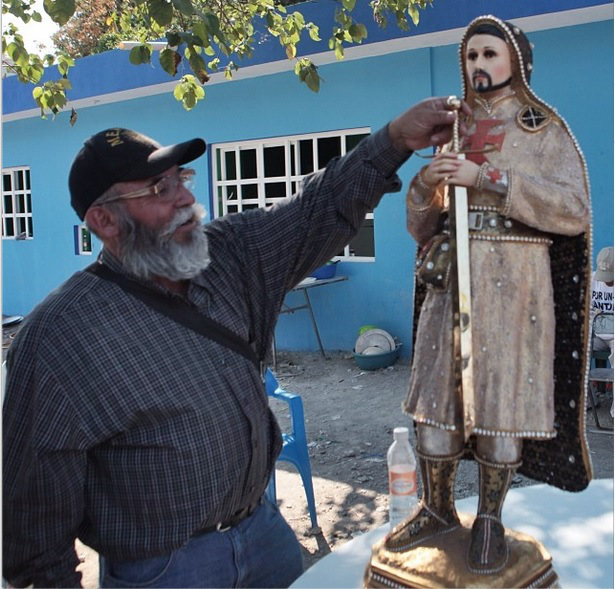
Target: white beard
(146,252)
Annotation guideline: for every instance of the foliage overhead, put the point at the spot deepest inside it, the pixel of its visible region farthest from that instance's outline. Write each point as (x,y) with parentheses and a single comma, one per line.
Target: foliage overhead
(202,36)
(87,31)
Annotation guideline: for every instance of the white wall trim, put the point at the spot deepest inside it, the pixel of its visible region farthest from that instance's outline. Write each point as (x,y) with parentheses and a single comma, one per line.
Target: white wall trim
(529,24)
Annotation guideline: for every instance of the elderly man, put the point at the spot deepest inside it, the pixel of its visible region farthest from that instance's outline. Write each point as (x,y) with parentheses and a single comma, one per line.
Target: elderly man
(126,428)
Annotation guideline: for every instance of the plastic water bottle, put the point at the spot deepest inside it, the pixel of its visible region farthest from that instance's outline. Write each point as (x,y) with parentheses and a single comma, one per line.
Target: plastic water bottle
(402,477)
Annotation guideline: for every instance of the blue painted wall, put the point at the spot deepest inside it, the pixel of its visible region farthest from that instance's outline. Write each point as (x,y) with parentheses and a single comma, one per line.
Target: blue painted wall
(366,92)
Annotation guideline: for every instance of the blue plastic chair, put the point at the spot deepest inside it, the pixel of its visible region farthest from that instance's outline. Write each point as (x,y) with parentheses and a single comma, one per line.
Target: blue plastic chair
(295,448)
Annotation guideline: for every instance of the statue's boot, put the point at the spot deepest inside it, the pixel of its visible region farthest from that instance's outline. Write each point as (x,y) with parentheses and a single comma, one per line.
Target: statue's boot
(435,513)
(488,552)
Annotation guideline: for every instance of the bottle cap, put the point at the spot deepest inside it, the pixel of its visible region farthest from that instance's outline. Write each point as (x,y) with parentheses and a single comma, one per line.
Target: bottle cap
(401,433)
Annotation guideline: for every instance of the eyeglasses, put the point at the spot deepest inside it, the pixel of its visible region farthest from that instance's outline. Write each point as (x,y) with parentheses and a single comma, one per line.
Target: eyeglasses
(164,189)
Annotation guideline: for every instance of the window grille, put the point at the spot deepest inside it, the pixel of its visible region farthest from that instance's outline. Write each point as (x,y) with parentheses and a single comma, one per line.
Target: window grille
(258,173)
(16,204)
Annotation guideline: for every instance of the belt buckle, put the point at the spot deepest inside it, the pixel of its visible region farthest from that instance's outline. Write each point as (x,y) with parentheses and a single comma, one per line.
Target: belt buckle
(475,221)
(219,527)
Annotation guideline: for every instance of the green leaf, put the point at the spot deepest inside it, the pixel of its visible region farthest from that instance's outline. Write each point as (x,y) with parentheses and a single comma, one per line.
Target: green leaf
(37,92)
(189,100)
(189,39)
(308,73)
(64,64)
(358,32)
(36,17)
(169,60)
(413,11)
(197,63)
(349,4)
(313,81)
(184,6)
(21,56)
(314,33)
(140,54)
(161,11)
(59,10)
(188,92)
(213,24)
(178,91)
(291,51)
(339,51)
(173,39)
(200,30)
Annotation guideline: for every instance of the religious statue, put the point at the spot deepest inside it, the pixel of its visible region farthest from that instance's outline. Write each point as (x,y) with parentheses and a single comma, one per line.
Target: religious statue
(520,407)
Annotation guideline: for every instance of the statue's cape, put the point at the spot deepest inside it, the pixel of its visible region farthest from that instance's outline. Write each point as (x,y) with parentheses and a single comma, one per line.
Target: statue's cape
(563,461)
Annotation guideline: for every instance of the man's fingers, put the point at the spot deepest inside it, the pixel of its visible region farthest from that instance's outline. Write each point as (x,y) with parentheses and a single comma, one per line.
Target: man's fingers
(441,137)
(457,104)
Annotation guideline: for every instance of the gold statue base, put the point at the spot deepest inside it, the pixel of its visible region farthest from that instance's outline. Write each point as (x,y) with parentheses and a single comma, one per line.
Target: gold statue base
(441,562)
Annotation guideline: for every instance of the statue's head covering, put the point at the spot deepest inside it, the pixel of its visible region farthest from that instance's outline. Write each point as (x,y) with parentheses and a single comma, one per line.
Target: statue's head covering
(520,54)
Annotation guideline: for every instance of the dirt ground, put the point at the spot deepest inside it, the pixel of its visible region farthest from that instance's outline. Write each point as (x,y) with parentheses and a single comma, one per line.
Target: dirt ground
(350,415)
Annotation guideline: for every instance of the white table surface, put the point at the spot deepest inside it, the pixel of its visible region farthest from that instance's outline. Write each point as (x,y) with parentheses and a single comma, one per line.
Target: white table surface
(576,528)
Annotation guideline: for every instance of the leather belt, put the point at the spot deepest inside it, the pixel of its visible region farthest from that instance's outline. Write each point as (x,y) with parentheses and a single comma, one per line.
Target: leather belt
(234,520)
(492,225)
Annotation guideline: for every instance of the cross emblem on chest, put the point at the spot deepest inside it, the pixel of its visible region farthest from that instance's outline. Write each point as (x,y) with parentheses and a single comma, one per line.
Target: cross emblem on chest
(480,139)
(532,118)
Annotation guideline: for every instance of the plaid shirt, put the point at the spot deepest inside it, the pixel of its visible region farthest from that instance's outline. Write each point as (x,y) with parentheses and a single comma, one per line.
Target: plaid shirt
(130,431)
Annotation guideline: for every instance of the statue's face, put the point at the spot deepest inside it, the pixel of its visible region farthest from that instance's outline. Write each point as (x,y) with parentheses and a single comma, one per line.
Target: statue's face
(488,67)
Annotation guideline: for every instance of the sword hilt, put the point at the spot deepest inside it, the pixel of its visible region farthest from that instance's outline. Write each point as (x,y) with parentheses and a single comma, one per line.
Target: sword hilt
(455,103)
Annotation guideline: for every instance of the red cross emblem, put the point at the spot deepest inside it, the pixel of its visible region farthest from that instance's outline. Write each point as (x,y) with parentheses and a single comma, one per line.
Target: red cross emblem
(481,139)
(494,175)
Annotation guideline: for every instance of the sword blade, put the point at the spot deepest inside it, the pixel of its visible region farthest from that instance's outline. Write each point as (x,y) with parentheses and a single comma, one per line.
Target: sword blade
(462,302)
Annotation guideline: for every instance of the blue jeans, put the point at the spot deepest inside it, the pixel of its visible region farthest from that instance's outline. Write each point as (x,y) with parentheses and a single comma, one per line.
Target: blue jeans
(262,551)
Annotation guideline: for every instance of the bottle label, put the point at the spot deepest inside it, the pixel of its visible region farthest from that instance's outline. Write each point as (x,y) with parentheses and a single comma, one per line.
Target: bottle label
(402,481)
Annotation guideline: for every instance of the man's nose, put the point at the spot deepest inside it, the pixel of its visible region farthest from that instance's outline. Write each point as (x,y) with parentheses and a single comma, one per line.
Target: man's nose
(183,196)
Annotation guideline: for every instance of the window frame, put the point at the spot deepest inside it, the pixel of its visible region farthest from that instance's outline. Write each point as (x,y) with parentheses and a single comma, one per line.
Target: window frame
(224,202)
(14,194)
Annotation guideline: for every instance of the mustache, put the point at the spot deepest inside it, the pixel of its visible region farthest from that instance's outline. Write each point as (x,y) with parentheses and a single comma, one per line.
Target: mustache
(481,74)
(194,213)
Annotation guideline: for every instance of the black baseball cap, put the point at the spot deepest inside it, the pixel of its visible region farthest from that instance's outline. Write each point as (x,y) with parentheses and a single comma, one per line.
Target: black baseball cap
(122,155)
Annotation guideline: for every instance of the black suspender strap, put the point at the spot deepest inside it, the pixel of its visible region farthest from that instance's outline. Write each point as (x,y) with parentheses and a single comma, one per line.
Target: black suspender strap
(180,311)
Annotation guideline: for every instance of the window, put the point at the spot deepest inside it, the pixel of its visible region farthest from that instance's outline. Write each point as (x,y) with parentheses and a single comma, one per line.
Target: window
(254,174)
(16,204)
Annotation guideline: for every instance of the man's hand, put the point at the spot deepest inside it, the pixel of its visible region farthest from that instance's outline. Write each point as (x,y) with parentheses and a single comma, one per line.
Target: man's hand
(428,123)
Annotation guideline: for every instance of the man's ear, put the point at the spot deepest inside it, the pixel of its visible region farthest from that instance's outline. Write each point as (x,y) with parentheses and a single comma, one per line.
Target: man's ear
(103,222)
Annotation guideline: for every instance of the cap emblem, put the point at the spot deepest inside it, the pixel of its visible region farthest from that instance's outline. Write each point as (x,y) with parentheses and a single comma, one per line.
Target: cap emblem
(113,137)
